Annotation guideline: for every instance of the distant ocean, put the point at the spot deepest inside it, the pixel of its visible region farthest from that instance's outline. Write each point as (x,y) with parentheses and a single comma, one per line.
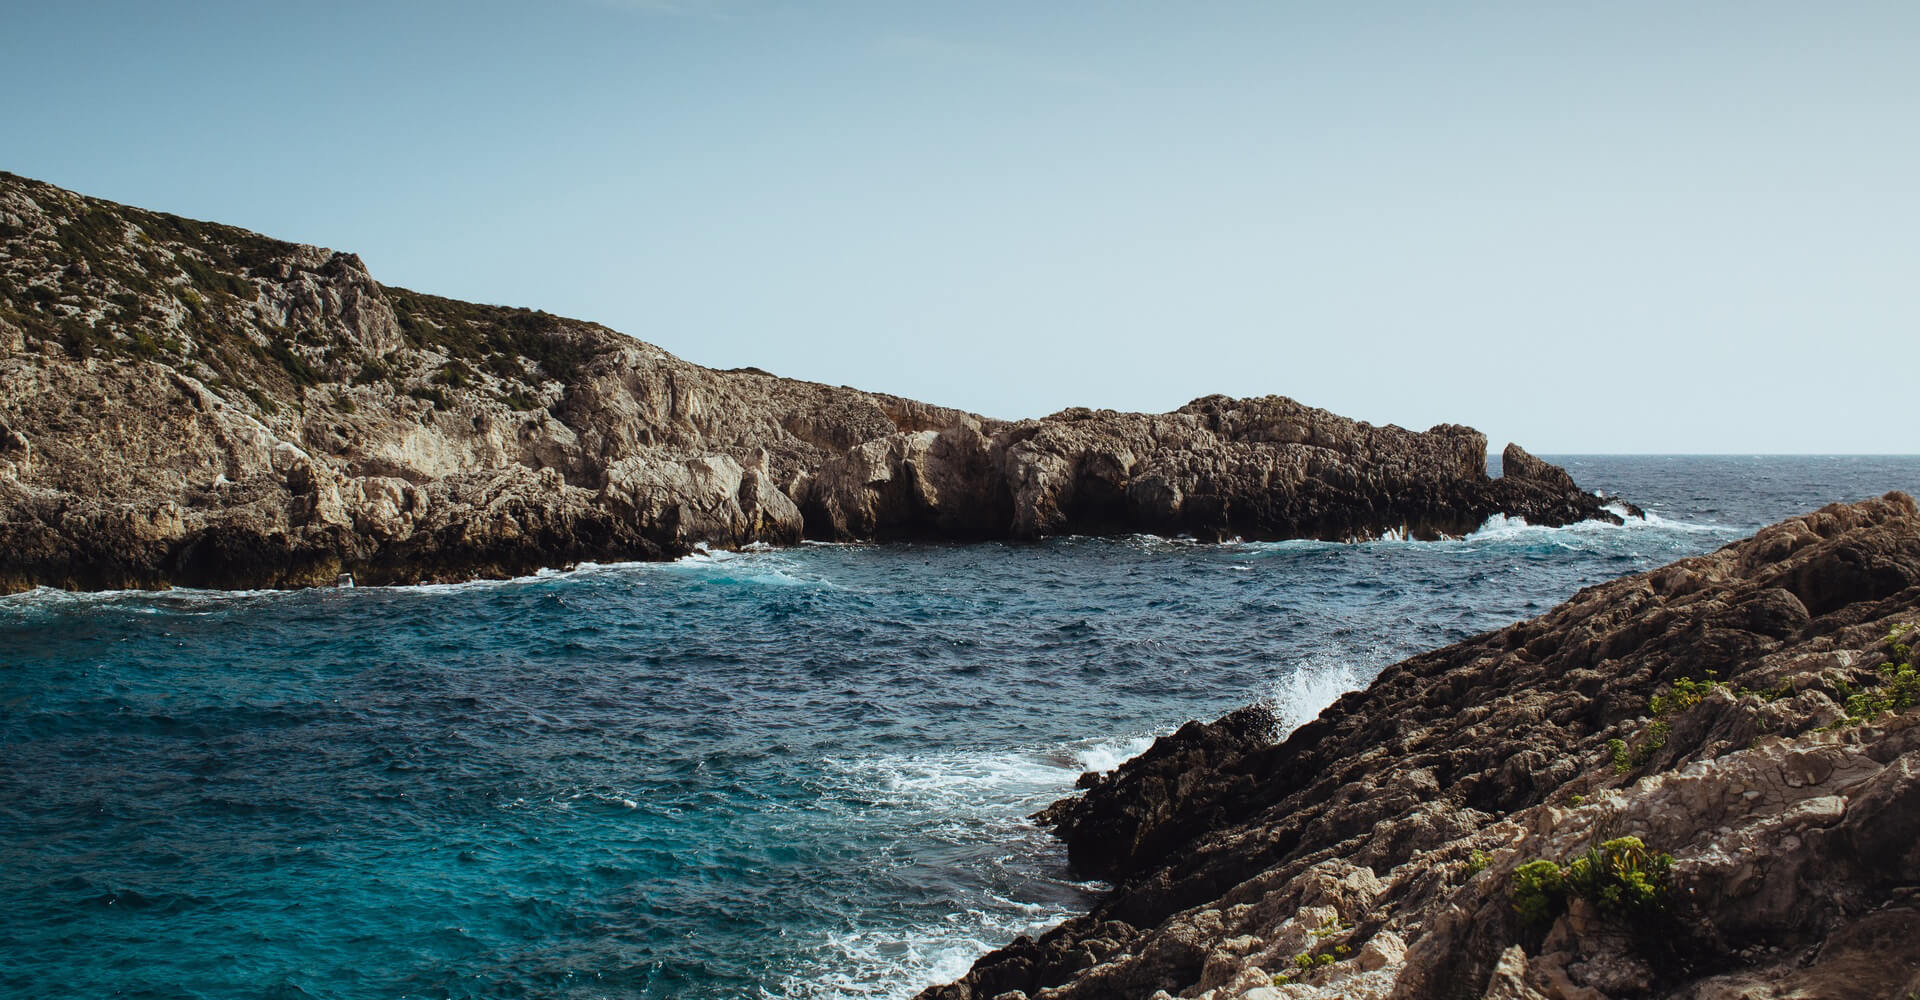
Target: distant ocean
(783,773)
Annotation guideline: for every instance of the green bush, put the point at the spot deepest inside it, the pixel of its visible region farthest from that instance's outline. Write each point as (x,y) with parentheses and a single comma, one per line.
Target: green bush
(1651,741)
(371,372)
(455,373)
(1682,695)
(1621,878)
(1539,891)
(1901,687)
(296,367)
(432,394)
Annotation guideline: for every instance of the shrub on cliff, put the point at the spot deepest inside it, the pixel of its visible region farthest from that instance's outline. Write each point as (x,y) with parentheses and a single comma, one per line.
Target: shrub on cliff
(1539,891)
(1901,688)
(1621,878)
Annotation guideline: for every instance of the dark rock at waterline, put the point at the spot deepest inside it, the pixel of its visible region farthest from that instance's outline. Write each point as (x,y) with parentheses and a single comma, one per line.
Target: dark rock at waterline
(187,403)
(1751,712)
(1160,799)
(1517,465)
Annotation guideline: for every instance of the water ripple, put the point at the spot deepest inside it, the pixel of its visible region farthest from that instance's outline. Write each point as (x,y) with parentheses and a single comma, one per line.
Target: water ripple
(795,773)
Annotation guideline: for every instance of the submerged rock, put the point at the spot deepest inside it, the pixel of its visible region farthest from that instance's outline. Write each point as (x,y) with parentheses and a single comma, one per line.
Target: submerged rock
(188,403)
(1754,714)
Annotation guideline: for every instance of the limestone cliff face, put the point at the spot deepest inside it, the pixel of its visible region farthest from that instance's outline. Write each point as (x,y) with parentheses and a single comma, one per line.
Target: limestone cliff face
(1754,713)
(188,403)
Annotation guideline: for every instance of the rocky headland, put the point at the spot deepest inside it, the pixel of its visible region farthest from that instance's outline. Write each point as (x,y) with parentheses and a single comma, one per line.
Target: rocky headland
(1698,782)
(186,403)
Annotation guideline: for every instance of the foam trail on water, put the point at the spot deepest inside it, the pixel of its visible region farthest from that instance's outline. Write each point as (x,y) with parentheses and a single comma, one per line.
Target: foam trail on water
(888,967)
(979,798)
(1502,528)
(178,599)
(1004,782)
(1652,520)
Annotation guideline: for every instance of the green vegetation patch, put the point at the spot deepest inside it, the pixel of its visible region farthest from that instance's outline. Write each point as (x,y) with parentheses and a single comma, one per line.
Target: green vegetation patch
(433,394)
(495,338)
(1900,685)
(1621,878)
(455,374)
(1651,741)
(1539,891)
(1682,695)
(297,368)
(1320,956)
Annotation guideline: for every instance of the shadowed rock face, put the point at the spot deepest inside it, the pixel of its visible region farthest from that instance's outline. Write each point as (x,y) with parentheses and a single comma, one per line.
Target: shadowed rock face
(188,403)
(1384,835)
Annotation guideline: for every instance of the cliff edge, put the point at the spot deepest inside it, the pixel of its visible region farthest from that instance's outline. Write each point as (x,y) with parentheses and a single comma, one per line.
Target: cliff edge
(188,403)
(1698,782)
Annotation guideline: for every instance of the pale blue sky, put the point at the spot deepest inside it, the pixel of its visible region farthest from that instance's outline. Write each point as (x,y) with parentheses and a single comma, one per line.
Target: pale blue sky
(1586,227)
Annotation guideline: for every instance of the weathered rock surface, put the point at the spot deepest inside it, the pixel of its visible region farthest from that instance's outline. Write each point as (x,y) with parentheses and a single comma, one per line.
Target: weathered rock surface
(1371,853)
(188,403)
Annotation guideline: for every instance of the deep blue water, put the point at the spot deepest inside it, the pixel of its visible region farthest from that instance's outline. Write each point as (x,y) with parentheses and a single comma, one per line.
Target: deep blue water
(794,773)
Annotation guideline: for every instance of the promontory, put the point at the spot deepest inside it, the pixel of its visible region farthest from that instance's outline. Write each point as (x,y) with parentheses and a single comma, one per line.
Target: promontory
(186,403)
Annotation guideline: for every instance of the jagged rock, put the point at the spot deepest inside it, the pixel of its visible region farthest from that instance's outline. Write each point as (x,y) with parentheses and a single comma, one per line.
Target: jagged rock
(16,453)
(1148,806)
(1381,950)
(1516,464)
(307,420)
(1388,829)
(338,294)
(708,499)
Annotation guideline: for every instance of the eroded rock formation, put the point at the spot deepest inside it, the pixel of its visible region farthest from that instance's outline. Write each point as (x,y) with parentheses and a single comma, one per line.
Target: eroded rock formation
(1751,712)
(188,403)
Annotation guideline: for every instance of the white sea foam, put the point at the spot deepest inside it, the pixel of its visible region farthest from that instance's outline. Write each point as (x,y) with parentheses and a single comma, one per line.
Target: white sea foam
(1502,528)
(1105,755)
(460,587)
(961,797)
(940,776)
(888,966)
(764,566)
(1652,520)
(761,565)
(177,599)
(1303,693)
(990,785)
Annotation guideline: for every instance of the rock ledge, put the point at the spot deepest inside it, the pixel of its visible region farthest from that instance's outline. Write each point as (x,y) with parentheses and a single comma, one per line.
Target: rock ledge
(1741,711)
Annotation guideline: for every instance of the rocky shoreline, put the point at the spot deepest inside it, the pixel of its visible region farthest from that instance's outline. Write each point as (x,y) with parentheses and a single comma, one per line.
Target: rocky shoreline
(186,403)
(1697,782)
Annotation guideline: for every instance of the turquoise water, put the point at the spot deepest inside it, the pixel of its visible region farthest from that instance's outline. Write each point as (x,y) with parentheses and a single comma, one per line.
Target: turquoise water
(792,773)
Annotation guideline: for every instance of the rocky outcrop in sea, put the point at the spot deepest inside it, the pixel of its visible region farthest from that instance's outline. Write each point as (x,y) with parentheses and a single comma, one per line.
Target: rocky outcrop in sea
(188,403)
(1698,782)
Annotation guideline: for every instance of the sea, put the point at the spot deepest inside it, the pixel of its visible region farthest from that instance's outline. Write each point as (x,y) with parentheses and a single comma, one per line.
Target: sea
(802,772)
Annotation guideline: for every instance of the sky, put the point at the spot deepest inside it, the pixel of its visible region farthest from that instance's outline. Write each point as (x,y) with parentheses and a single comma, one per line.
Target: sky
(1624,227)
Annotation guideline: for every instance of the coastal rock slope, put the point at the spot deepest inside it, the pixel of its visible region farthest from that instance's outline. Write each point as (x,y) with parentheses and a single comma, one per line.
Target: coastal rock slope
(1698,782)
(189,403)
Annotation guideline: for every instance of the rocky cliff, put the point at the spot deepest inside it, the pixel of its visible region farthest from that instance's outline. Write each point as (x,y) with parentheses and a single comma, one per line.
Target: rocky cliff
(1700,782)
(188,403)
